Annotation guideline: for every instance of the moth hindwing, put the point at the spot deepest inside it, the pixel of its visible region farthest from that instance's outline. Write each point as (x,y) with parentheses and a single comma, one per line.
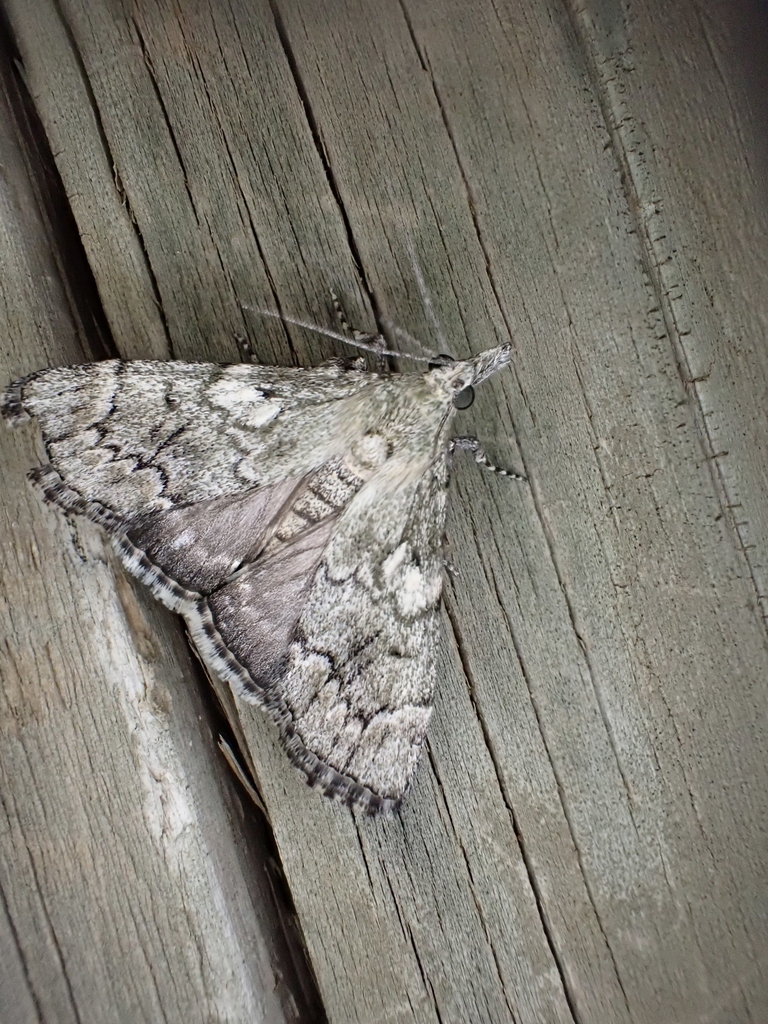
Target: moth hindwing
(293,517)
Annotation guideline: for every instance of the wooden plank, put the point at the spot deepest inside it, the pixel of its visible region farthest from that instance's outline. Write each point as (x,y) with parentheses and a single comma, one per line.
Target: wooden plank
(583,839)
(690,137)
(700,207)
(128,892)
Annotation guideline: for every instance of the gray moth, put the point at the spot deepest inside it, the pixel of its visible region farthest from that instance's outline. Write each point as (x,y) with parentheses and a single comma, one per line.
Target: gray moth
(294,517)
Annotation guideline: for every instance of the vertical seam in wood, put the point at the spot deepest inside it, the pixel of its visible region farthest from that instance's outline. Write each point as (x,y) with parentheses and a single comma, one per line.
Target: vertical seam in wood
(462,173)
(77,57)
(579,635)
(530,873)
(53,937)
(325,161)
(22,958)
(408,936)
(473,893)
(652,267)
(556,774)
(78,286)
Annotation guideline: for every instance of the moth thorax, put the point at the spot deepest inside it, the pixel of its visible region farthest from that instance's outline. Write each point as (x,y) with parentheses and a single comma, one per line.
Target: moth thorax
(367,455)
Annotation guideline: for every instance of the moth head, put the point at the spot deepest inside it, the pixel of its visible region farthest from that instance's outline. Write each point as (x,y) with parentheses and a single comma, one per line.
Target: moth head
(458,377)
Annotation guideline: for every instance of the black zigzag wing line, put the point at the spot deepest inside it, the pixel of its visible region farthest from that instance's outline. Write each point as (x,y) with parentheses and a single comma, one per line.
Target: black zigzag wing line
(56,492)
(353,793)
(165,589)
(12,402)
(194,607)
(319,775)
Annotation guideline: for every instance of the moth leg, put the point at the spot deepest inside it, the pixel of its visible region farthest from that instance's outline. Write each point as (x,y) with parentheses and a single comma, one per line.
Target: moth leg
(448,564)
(472,444)
(375,340)
(451,568)
(346,328)
(244,348)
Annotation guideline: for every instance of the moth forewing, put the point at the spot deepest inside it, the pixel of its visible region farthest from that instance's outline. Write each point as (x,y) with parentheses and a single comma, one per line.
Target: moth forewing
(293,517)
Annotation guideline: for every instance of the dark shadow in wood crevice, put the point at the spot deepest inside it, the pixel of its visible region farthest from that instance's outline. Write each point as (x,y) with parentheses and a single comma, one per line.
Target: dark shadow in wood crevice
(76,278)
(294,980)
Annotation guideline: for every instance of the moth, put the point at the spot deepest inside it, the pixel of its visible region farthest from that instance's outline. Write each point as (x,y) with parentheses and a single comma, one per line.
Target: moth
(294,517)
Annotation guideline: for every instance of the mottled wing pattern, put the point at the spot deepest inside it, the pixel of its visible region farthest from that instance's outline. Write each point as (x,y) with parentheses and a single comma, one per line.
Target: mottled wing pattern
(360,678)
(350,683)
(294,517)
(298,588)
(148,436)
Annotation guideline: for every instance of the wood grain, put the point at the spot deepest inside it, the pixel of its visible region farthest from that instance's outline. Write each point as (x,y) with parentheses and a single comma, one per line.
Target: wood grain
(585,838)
(135,885)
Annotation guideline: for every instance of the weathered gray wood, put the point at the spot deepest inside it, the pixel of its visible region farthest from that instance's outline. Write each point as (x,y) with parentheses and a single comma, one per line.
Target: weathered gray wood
(697,172)
(128,893)
(585,839)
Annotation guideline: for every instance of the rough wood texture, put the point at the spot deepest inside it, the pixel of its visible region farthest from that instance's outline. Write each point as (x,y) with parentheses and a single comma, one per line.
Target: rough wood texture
(134,885)
(586,838)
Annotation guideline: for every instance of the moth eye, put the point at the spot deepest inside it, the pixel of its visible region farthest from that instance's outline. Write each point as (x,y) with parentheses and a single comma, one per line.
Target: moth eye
(463,397)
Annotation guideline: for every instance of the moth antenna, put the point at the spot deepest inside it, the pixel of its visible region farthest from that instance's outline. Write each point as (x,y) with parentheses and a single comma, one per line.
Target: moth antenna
(426,299)
(326,332)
